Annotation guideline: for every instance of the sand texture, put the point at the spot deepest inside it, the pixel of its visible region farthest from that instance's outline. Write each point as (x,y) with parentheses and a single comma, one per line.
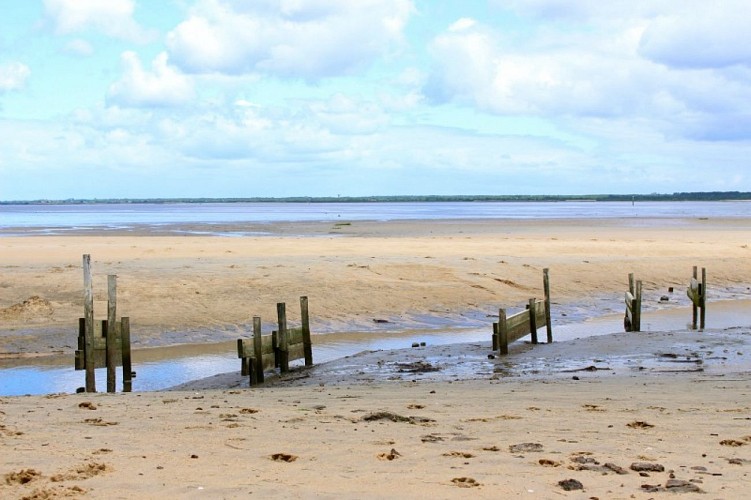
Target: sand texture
(619,416)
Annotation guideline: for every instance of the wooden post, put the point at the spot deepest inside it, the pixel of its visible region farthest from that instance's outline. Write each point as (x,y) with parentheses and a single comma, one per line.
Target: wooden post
(111,336)
(533,319)
(637,307)
(703,297)
(546,290)
(307,344)
(125,346)
(694,307)
(502,332)
(88,313)
(281,312)
(244,362)
(495,336)
(256,369)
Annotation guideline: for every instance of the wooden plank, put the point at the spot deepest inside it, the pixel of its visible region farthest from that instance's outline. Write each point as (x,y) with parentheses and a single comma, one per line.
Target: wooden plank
(629,301)
(88,314)
(112,346)
(542,314)
(294,336)
(125,353)
(296,351)
(307,341)
(495,337)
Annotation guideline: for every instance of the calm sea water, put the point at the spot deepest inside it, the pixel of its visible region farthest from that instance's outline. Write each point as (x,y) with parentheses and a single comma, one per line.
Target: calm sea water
(58,218)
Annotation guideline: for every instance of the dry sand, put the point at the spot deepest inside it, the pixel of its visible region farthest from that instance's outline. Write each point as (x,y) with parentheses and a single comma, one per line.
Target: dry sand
(434,422)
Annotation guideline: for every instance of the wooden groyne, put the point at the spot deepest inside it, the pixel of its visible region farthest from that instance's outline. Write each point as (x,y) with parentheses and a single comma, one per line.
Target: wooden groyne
(284,345)
(512,328)
(103,343)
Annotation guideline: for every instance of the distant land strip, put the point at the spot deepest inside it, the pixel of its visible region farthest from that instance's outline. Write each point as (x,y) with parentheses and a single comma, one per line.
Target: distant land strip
(694,196)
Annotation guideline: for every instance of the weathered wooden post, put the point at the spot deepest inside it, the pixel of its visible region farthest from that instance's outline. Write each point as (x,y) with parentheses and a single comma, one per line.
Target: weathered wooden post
(281,311)
(533,319)
(125,343)
(697,292)
(546,291)
(307,344)
(632,320)
(112,333)
(502,332)
(88,313)
(256,369)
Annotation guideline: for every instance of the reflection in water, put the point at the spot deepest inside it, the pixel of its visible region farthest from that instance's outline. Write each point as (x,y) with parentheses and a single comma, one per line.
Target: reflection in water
(160,368)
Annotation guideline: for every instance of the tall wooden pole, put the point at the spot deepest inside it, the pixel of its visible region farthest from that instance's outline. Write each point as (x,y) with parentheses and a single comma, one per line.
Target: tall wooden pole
(88,314)
(125,346)
(112,347)
(281,312)
(546,290)
(307,344)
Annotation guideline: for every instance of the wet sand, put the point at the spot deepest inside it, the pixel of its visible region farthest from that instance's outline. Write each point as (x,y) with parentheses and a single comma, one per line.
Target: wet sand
(613,416)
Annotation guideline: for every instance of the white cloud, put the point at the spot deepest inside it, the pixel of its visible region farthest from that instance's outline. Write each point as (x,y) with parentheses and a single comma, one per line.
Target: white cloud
(589,63)
(162,86)
(13,76)
(701,35)
(111,17)
(311,39)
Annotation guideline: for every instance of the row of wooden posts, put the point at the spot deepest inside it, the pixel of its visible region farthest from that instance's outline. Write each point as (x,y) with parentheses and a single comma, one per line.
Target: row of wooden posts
(106,343)
(696,291)
(277,350)
(103,343)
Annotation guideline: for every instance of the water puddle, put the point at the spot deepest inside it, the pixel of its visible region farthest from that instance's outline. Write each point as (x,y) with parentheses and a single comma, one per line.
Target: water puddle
(164,367)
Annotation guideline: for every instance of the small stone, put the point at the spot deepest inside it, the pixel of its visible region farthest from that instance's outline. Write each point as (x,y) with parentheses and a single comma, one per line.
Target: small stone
(647,467)
(570,485)
(679,485)
(664,298)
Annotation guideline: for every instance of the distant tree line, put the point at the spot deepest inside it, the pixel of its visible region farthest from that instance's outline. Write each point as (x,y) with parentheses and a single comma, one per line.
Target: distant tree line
(695,196)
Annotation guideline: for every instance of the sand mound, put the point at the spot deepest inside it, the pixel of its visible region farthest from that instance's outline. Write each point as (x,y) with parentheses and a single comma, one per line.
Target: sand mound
(33,307)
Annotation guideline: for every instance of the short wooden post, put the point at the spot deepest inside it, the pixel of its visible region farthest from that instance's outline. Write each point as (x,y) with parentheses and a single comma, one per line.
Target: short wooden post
(533,319)
(256,368)
(88,313)
(281,311)
(695,305)
(125,347)
(546,290)
(637,307)
(502,332)
(307,344)
(111,336)
(495,336)
(244,361)
(703,297)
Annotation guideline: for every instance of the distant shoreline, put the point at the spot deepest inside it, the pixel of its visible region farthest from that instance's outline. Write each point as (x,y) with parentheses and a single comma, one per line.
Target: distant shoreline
(692,196)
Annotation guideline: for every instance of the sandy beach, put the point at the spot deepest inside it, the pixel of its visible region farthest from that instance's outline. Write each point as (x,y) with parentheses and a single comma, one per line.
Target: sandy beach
(617,416)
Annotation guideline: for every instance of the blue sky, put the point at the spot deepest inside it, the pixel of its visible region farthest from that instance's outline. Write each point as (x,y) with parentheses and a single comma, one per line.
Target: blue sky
(219,98)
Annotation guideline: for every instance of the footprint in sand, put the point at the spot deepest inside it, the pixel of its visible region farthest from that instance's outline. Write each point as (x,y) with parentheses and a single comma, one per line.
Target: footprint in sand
(465,482)
(283,457)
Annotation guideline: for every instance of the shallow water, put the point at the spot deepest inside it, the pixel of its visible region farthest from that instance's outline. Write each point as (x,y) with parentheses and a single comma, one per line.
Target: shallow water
(161,368)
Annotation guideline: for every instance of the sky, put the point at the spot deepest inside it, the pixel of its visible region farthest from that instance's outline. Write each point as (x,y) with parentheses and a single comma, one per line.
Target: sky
(256,98)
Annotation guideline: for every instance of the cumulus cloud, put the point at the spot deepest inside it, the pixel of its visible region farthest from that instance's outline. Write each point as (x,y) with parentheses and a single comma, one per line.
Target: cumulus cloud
(13,76)
(162,86)
(310,40)
(112,17)
(700,35)
(644,65)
